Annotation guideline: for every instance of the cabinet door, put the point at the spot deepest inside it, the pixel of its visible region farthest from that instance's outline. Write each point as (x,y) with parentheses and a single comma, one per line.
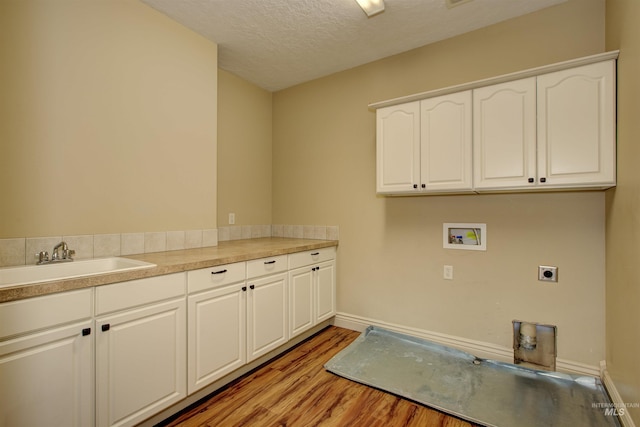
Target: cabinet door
(267,326)
(576,126)
(140,362)
(47,378)
(325,291)
(301,300)
(445,153)
(504,135)
(398,148)
(217,336)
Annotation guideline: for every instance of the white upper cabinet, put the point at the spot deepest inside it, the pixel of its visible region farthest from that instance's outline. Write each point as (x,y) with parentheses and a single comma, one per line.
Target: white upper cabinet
(576,127)
(549,128)
(398,148)
(425,146)
(445,134)
(504,134)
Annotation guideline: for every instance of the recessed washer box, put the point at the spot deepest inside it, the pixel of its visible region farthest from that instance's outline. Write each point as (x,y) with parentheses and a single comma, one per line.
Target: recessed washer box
(469,236)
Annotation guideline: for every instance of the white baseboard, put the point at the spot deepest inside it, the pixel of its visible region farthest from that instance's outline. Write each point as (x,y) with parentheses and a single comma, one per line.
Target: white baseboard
(477,348)
(625,416)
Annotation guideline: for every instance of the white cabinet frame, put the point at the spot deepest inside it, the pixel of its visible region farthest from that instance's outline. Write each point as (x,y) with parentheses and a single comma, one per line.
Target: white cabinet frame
(547,128)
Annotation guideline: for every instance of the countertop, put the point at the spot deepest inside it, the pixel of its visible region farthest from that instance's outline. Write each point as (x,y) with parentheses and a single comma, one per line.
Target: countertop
(174,262)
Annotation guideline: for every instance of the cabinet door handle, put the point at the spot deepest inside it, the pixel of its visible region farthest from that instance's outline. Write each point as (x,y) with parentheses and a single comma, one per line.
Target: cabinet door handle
(86,331)
(270,262)
(543,179)
(252,286)
(424,186)
(531,180)
(244,289)
(415,185)
(106,327)
(219,272)
(315,254)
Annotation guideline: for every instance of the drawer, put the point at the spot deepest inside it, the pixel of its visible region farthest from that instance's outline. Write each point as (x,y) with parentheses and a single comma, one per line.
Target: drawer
(23,316)
(300,259)
(215,277)
(120,296)
(264,266)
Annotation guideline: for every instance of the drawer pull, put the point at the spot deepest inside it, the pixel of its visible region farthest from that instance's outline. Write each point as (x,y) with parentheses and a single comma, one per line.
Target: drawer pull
(106,327)
(219,272)
(86,331)
(270,262)
(315,254)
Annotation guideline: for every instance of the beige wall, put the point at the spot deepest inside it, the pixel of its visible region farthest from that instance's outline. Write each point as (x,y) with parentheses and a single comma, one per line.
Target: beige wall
(244,151)
(390,254)
(107,120)
(623,210)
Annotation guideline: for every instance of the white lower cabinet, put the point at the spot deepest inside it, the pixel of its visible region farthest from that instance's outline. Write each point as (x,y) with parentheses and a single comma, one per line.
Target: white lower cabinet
(140,349)
(46,379)
(216,323)
(118,354)
(236,313)
(325,306)
(217,338)
(46,361)
(312,290)
(267,306)
(301,300)
(266,315)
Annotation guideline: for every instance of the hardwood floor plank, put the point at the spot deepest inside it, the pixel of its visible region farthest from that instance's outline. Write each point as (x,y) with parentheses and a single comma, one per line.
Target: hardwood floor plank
(294,390)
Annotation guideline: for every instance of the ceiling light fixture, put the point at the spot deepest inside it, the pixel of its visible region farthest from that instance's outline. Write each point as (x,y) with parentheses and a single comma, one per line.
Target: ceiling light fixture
(371,7)
(454,3)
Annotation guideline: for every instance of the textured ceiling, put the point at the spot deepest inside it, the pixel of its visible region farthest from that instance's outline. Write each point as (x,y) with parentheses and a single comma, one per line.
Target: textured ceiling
(280,43)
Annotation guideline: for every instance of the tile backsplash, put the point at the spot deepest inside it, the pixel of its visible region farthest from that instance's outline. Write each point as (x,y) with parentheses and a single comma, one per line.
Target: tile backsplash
(237,232)
(21,251)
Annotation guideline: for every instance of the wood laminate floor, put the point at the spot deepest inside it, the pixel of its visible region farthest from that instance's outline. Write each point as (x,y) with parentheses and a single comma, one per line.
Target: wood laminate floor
(294,390)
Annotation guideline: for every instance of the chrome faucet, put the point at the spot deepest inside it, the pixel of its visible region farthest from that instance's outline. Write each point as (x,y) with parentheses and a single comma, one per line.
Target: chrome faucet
(66,253)
(43,257)
(54,253)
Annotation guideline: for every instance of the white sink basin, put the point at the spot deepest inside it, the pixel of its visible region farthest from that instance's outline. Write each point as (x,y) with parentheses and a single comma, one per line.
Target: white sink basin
(13,276)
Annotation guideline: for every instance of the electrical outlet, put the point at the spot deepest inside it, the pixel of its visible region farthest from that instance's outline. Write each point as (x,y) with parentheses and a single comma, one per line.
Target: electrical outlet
(547,273)
(448,272)
(232,218)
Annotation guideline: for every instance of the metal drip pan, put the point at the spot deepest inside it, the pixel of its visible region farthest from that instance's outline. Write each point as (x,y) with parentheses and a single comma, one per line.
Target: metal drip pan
(478,390)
